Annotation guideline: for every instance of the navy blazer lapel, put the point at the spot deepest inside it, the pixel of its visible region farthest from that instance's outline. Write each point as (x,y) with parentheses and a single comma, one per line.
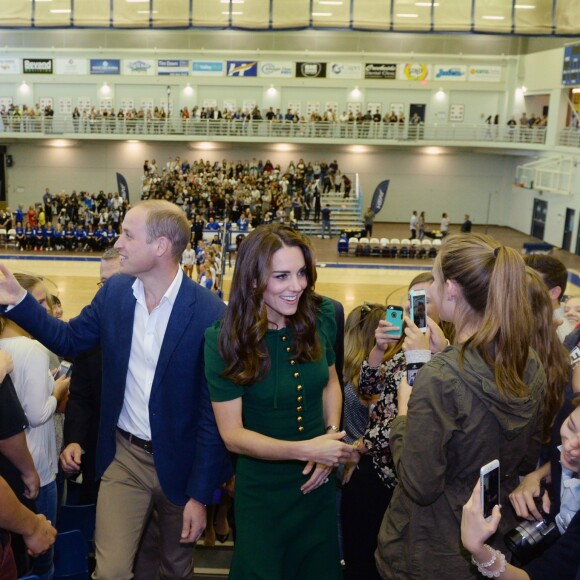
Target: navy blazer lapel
(123,322)
(179,320)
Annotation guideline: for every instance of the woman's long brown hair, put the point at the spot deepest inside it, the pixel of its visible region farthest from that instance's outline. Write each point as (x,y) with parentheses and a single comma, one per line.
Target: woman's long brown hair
(494,285)
(241,341)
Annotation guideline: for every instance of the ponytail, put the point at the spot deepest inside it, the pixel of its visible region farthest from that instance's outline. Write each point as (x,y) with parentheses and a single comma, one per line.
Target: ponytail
(494,285)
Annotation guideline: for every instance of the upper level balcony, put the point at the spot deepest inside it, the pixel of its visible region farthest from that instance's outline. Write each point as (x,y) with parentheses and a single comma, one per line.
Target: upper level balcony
(374,133)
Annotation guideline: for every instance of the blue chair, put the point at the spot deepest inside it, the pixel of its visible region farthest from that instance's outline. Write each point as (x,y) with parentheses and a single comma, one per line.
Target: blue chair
(71,557)
(81,518)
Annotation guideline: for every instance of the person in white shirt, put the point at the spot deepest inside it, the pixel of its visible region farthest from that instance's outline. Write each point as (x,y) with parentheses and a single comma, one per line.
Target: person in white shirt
(39,395)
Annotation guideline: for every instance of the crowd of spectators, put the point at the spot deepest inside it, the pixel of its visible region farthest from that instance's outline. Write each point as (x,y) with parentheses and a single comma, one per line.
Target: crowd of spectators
(244,194)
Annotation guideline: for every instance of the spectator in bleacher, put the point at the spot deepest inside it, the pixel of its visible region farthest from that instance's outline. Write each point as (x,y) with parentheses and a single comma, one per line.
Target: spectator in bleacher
(326,225)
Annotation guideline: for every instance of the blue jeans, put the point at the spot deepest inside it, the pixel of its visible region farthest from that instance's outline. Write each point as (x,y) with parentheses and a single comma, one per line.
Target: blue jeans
(46,504)
(326,226)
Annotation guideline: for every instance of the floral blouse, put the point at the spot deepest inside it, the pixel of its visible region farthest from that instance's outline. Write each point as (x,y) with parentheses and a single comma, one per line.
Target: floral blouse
(383,381)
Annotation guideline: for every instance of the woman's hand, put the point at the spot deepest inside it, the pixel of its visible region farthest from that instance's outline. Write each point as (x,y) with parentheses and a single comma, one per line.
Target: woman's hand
(382,339)
(523,496)
(474,529)
(403,396)
(415,339)
(61,389)
(320,476)
(437,340)
(353,463)
(328,450)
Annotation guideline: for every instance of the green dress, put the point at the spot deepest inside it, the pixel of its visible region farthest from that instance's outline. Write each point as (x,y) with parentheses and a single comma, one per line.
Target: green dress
(282,534)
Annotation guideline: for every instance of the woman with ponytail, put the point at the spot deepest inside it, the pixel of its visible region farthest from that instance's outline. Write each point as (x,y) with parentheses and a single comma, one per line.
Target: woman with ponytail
(478,400)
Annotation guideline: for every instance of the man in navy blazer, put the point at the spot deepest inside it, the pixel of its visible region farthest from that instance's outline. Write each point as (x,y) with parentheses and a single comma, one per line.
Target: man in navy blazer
(158,442)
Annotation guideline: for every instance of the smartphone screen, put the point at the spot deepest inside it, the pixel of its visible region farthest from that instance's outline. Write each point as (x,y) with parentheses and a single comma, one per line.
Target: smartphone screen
(489,476)
(419,309)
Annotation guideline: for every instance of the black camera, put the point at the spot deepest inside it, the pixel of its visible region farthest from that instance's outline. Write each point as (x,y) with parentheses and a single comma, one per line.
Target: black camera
(529,539)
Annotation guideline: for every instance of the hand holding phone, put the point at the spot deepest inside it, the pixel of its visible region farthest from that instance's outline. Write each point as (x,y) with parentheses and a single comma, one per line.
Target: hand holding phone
(489,485)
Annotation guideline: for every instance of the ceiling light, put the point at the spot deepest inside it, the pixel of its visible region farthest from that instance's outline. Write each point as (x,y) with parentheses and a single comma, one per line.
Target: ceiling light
(232,1)
(322,14)
(493,17)
(524,6)
(330,2)
(428,4)
(407,15)
(232,13)
(138,1)
(61,11)
(147,12)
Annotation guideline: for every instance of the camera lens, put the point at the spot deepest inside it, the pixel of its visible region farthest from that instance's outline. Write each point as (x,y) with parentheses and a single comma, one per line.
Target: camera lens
(393,315)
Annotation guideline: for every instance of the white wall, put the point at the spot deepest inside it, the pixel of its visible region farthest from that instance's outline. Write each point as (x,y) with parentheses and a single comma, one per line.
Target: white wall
(456,183)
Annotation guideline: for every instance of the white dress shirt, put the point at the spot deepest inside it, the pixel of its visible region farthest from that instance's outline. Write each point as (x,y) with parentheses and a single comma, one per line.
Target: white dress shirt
(148,333)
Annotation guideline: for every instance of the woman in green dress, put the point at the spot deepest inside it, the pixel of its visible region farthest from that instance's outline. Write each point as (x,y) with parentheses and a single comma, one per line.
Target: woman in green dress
(277,402)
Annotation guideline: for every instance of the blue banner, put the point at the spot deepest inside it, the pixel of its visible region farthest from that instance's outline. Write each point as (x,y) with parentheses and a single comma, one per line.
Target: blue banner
(105,66)
(242,68)
(379,196)
(122,187)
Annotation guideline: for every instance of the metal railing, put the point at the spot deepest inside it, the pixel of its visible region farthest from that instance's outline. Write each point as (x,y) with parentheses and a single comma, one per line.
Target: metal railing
(569,137)
(301,130)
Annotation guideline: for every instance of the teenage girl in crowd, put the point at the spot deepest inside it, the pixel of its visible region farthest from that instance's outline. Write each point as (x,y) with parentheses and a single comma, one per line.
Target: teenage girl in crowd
(371,477)
(476,401)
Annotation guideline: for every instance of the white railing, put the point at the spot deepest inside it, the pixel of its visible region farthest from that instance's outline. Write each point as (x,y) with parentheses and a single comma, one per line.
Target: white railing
(302,130)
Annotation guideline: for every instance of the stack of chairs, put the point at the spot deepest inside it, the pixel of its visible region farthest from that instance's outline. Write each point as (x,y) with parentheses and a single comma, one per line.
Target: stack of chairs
(385,252)
(375,247)
(364,247)
(395,242)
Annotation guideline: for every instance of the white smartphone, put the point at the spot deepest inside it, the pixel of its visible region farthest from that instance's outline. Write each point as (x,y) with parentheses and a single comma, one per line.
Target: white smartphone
(418,311)
(489,484)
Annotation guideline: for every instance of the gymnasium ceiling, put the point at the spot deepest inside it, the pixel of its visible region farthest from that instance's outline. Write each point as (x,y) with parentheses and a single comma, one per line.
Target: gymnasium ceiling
(512,17)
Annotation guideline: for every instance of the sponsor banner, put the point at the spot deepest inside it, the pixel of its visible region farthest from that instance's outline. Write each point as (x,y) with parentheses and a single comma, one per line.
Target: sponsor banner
(379,196)
(207,68)
(482,73)
(311,70)
(345,70)
(450,72)
(378,70)
(414,72)
(105,66)
(9,66)
(172,67)
(277,69)
(242,68)
(41,66)
(140,67)
(71,66)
